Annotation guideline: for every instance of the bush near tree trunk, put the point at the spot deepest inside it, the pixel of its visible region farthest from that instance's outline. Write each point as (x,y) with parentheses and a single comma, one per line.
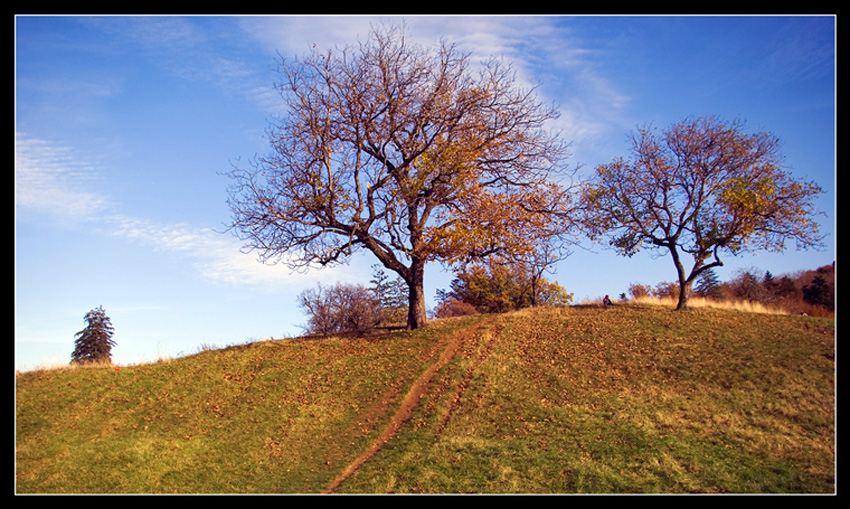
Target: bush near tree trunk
(342,308)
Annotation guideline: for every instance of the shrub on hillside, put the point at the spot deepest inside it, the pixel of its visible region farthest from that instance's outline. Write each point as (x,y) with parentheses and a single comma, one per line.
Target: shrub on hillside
(708,285)
(339,309)
(639,291)
(499,285)
(666,290)
(453,307)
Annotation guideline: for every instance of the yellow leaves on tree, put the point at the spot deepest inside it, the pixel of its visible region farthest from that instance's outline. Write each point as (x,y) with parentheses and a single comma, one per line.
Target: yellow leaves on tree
(702,187)
(398,150)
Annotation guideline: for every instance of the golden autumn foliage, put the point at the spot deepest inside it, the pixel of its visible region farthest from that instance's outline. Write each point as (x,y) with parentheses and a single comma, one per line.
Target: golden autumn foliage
(702,188)
(498,286)
(400,151)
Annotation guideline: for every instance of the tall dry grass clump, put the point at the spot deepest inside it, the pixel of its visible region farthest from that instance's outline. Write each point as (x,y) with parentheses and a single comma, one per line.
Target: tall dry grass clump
(702,302)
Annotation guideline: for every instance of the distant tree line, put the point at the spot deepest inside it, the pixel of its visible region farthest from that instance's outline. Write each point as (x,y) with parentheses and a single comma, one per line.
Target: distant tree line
(811,291)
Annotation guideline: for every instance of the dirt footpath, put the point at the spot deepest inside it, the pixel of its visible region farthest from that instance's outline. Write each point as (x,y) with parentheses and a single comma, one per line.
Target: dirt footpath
(410,401)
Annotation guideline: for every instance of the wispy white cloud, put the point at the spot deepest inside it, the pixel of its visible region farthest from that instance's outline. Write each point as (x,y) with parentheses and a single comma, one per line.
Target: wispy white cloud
(543,50)
(295,35)
(52,180)
(801,54)
(57,181)
(152,35)
(548,54)
(200,49)
(214,255)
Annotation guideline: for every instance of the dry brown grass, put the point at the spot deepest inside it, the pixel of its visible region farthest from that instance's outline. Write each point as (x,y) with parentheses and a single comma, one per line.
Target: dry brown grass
(700,302)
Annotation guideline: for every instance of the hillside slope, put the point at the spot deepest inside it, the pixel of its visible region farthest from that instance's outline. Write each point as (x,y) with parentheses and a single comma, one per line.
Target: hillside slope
(573,400)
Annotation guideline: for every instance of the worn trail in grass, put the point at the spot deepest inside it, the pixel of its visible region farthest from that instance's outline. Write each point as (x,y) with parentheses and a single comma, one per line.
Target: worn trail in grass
(623,400)
(410,400)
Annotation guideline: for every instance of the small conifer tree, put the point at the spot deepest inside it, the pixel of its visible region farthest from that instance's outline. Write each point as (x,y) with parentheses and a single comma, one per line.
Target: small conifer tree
(818,293)
(392,294)
(708,285)
(94,343)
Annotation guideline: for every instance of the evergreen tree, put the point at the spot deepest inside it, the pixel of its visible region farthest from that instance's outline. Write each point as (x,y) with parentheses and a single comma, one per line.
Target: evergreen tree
(391,292)
(819,293)
(94,343)
(786,288)
(771,287)
(709,285)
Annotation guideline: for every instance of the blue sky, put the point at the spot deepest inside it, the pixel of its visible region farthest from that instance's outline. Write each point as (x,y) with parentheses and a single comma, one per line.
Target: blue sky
(125,125)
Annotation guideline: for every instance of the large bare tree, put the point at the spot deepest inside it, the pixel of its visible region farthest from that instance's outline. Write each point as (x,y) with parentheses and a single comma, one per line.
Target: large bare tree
(701,188)
(406,152)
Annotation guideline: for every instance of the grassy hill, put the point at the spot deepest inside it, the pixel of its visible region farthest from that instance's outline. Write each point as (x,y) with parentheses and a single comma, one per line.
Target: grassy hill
(625,399)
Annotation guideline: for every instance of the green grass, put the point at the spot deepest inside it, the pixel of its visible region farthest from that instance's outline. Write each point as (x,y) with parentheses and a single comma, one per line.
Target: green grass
(629,399)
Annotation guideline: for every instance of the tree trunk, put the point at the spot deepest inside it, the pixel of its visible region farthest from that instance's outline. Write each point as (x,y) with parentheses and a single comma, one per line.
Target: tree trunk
(684,282)
(416,314)
(684,293)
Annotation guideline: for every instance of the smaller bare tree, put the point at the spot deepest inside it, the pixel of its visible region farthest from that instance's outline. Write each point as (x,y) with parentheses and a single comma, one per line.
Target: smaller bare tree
(339,309)
(702,188)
